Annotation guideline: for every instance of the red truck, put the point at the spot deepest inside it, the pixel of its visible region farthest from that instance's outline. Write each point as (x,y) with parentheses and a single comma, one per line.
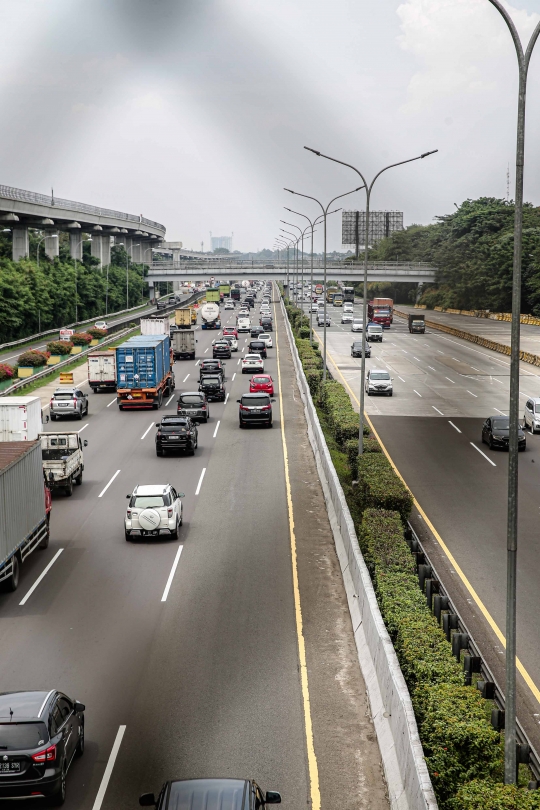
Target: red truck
(381,311)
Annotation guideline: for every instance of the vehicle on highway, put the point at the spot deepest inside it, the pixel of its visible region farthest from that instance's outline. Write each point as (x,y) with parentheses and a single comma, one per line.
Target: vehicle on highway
(314,307)
(262,382)
(267,323)
(183,344)
(496,433)
(417,323)
(256,331)
(232,794)
(193,404)
(531,414)
(212,387)
(232,341)
(356,349)
(211,367)
(347,317)
(221,348)
(357,325)
(257,347)
(161,304)
(374,332)
(378,381)
(68,402)
(230,330)
(210,316)
(266,338)
(62,459)
(176,433)
(100,325)
(348,307)
(320,319)
(255,409)
(101,367)
(41,732)
(252,362)
(154,509)
(243,325)
(229,304)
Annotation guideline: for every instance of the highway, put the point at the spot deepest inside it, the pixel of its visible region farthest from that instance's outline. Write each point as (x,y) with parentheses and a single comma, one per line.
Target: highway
(186,652)
(444,388)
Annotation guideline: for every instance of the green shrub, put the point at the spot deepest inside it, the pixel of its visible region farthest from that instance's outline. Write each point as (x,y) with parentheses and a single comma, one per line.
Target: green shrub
(380,487)
(371,445)
(59,346)
(33,358)
(314,379)
(81,339)
(7,372)
(304,332)
(97,333)
(485,794)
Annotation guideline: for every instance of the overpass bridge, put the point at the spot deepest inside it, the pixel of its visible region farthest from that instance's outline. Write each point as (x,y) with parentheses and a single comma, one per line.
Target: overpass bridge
(415,272)
(21,210)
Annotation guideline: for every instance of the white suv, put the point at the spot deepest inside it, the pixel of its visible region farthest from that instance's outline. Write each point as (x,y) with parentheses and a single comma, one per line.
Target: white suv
(379,381)
(153,510)
(531,414)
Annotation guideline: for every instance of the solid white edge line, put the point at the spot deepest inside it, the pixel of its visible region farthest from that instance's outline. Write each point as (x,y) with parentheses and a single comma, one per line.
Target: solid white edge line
(103,491)
(169,400)
(25,598)
(200,481)
(171,575)
(454,426)
(147,431)
(111,402)
(108,770)
(483,454)
(438,411)
(83,427)
(217,428)
(185,378)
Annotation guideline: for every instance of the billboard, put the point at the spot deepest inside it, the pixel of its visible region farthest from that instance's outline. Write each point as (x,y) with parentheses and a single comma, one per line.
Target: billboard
(381,224)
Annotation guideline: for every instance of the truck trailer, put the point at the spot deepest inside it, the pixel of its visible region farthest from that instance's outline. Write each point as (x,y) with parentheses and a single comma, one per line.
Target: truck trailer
(20,419)
(183,345)
(417,323)
(144,372)
(182,318)
(210,316)
(102,370)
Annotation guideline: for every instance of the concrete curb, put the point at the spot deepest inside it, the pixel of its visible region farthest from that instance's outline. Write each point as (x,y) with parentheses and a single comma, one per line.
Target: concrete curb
(407,777)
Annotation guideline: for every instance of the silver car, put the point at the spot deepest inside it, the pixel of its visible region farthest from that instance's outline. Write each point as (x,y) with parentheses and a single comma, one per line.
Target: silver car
(531,414)
(68,402)
(379,381)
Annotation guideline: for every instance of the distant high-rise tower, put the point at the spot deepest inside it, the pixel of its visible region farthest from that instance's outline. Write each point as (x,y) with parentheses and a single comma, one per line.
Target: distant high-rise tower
(221,242)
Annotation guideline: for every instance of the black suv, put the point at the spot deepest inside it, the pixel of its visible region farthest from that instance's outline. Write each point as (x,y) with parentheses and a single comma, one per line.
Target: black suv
(40,734)
(176,433)
(255,409)
(256,331)
(356,349)
(193,404)
(257,347)
(267,325)
(221,349)
(212,386)
(234,794)
(211,367)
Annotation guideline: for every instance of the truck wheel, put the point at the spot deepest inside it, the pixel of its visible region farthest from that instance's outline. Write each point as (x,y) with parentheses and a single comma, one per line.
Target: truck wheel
(45,542)
(53,417)
(69,488)
(78,480)
(13,581)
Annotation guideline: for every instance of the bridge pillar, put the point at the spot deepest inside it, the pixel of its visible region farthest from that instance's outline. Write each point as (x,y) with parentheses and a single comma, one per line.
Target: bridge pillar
(105,250)
(137,252)
(419,291)
(51,245)
(128,243)
(151,291)
(19,243)
(75,246)
(96,247)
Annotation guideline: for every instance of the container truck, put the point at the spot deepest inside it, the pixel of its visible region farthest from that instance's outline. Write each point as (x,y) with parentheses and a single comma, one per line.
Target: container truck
(210,316)
(385,303)
(417,323)
(212,295)
(182,318)
(348,295)
(20,419)
(224,291)
(25,505)
(63,461)
(155,326)
(183,345)
(379,314)
(235,293)
(102,371)
(144,372)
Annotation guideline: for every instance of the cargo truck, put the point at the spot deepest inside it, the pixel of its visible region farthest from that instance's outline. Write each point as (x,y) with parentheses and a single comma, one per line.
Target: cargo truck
(348,295)
(102,370)
(338,299)
(385,304)
(183,345)
(235,293)
(182,318)
(210,316)
(144,372)
(379,314)
(155,326)
(212,295)
(63,460)
(25,505)
(417,323)
(20,419)
(224,291)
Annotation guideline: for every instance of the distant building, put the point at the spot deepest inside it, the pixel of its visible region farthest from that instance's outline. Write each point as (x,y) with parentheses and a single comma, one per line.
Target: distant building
(381,224)
(221,242)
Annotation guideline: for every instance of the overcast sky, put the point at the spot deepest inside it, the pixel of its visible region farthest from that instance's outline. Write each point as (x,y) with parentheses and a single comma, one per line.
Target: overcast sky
(195,112)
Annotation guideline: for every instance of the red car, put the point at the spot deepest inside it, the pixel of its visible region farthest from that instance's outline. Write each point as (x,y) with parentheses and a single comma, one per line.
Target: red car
(261,382)
(230,330)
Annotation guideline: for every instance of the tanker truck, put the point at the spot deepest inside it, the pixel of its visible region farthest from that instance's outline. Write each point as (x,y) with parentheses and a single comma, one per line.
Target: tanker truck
(210,316)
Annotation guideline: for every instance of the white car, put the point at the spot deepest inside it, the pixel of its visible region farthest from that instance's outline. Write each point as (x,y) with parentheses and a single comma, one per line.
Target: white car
(379,381)
(347,317)
(155,509)
(314,307)
(100,325)
(357,325)
(531,412)
(266,338)
(229,305)
(231,340)
(348,307)
(243,324)
(252,362)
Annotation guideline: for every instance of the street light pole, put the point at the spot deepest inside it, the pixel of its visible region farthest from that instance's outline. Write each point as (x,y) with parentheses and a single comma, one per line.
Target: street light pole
(324,215)
(47,236)
(76,279)
(368,187)
(510,738)
(285,243)
(294,241)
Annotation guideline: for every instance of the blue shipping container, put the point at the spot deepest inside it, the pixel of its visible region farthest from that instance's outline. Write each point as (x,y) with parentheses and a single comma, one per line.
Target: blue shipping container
(143,361)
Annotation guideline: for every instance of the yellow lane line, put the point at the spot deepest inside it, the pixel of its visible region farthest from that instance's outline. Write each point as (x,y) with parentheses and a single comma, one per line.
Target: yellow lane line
(483,609)
(313,767)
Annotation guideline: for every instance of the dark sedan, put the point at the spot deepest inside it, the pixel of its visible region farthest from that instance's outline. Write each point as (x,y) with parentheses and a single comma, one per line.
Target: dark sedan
(356,349)
(221,349)
(256,331)
(496,433)
(40,735)
(176,433)
(233,794)
(212,387)
(193,404)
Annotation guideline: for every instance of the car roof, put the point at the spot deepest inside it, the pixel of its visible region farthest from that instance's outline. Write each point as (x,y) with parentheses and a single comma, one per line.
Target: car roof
(23,704)
(379,371)
(212,794)
(258,356)
(191,394)
(255,395)
(175,420)
(151,489)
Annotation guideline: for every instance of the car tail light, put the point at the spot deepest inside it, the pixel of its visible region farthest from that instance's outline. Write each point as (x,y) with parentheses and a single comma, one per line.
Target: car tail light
(47,755)
(170,512)
(266,408)
(243,408)
(74,400)
(129,513)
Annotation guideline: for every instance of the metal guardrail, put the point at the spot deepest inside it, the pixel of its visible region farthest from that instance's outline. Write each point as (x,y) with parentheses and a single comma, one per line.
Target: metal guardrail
(10,193)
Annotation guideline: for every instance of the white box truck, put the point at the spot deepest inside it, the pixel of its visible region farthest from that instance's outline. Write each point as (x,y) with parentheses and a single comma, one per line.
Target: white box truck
(155,326)
(102,371)
(183,345)
(20,419)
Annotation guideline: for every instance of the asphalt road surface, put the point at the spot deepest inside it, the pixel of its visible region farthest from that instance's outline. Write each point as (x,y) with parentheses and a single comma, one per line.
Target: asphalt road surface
(444,388)
(186,652)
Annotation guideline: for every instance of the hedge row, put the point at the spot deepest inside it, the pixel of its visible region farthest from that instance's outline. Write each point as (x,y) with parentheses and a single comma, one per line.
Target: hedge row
(33,358)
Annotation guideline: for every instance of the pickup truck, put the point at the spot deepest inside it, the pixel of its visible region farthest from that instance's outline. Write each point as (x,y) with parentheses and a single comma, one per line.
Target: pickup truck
(62,458)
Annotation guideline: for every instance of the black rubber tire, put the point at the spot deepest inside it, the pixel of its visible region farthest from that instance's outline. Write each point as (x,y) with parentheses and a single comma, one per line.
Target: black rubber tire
(174,534)
(128,537)
(240,424)
(13,580)
(206,418)
(69,489)
(78,480)
(270,424)
(58,798)
(53,417)
(159,452)
(490,443)
(79,751)
(45,542)
(80,415)
(120,407)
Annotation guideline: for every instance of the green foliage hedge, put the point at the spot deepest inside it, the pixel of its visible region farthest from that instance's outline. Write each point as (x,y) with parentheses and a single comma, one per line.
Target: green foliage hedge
(81,338)
(371,445)
(33,358)
(59,346)
(7,372)
(379,486)
(97,333)
(487,794)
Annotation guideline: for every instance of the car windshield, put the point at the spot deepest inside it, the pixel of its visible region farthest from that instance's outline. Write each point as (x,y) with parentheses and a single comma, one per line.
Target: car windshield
(252,357)
(264,337)
(357,344)
(357,320)
(537,407)
(21,736)
(65,396)
(256,402)
(260,380)
(190,399)
(379,375)
(501,423)
(374,328)
(173,423)
(145,501)
(212,381)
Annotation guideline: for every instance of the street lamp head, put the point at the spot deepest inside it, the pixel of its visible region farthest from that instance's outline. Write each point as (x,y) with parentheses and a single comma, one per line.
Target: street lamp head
(289,190)
(312,150)
(429,153)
